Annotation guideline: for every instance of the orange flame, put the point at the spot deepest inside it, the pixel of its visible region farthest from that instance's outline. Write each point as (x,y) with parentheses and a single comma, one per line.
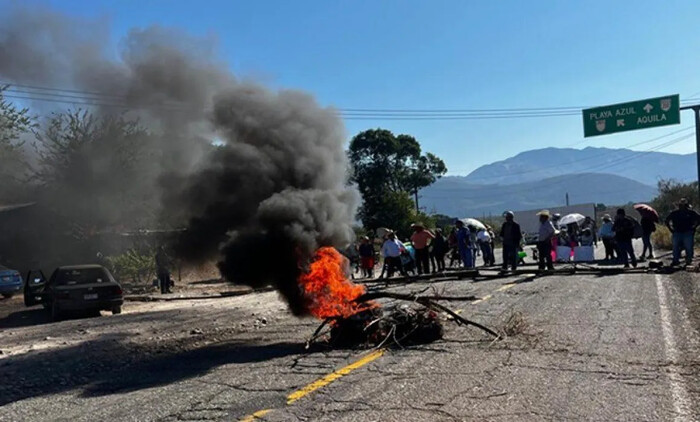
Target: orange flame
(328,291)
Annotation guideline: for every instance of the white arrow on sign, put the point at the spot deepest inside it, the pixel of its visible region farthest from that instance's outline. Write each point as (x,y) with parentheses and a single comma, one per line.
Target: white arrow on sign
(648,108)
(620,122)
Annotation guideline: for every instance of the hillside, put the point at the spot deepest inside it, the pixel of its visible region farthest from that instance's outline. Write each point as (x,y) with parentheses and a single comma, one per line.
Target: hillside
(456,196)
(643,167)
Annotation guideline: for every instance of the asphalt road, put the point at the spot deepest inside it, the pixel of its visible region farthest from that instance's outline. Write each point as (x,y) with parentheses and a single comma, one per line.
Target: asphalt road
(623,347)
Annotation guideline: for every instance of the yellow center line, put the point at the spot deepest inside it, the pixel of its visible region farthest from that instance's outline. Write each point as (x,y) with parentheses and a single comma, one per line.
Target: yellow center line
(506,287)
(487,297)
(257,415)
(333,376)
(320,383)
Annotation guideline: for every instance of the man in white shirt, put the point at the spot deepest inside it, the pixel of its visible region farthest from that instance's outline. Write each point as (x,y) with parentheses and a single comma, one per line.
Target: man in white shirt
(544,241)
(391,251)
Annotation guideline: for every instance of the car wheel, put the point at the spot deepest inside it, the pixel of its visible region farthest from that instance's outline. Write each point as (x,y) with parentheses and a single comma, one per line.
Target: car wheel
(7,295)
(116,310)
(55,312)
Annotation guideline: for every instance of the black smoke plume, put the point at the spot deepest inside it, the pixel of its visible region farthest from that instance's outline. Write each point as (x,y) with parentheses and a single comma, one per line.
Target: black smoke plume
(257,177)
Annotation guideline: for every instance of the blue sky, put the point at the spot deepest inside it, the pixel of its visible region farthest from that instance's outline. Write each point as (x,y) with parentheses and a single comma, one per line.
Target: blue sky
(450,55)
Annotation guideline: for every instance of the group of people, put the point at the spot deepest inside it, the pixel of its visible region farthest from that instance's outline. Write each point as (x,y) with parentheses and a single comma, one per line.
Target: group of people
(466,241)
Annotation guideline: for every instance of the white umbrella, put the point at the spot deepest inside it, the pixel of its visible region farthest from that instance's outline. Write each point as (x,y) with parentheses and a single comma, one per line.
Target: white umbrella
(571,218)
(473,222)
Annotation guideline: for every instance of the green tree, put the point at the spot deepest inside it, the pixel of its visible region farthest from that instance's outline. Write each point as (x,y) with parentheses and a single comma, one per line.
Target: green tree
(96,170)
(388,169)
(670,192)
(14,122)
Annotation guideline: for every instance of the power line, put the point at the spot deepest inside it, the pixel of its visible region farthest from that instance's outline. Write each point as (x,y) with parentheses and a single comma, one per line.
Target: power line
(89,102)
(82,97)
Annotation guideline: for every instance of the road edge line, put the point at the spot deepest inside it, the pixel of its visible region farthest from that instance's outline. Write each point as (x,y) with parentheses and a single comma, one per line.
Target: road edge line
(679,392)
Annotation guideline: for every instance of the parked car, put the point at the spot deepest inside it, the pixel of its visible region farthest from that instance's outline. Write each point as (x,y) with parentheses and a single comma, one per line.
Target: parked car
(10,282)
(74,288)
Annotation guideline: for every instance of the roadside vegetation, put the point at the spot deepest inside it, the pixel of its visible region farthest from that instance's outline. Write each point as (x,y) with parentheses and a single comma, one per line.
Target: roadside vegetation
(670,192)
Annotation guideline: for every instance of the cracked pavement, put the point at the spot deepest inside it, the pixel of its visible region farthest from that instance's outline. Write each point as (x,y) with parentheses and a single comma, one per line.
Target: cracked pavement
(593,349)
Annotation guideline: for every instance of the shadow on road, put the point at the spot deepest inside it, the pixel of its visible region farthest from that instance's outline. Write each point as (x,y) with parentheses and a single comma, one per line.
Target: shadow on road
(110,365)
(38,316)
(26,317)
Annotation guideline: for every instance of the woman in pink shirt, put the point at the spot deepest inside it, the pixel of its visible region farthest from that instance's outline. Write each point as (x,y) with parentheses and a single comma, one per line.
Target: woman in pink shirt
(420,240)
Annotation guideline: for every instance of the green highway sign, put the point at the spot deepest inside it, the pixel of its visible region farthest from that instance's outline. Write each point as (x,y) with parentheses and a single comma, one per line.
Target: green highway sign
(652,112)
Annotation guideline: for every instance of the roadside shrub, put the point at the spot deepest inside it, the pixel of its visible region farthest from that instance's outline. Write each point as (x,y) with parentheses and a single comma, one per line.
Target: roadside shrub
(134,265)
(661,238)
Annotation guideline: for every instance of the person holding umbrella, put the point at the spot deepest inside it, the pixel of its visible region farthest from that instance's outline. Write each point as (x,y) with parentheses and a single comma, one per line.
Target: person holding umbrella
(649,218)
(683,222)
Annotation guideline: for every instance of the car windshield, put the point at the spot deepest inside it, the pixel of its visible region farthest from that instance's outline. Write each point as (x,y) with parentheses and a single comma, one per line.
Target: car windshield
(72,277)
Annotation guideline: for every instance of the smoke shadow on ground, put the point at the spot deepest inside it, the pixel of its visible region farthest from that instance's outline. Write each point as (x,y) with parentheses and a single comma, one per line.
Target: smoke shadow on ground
(38,316)
(110,366)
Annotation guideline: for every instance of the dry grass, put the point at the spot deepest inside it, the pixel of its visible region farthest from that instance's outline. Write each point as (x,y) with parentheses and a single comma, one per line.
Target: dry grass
(661,238)
(515,324)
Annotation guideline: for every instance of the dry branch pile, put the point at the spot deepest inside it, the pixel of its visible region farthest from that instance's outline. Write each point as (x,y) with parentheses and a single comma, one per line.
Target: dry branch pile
(398,326)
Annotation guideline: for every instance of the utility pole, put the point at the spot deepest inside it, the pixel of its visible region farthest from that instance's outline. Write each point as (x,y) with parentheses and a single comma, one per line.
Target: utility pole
(696,109)
(415,193)
(567,199)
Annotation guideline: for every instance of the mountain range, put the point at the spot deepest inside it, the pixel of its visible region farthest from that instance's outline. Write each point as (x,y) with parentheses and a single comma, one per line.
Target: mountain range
(646,167)
(542,178)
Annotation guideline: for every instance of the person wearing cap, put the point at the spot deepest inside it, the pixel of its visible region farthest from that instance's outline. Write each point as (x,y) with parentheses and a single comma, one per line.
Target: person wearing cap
(544,241)
(511,236)
(420,239)
(463,244)
(607,235)
(624,232)
(391,251)
(683,222)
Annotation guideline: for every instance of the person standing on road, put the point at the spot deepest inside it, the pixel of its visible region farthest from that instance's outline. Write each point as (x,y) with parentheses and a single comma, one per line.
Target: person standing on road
(624,232)
(607,235)
(683,222)
(440,249)
(420,239)
(453,245)
(366,250)
(648,227)
(463,244)
(391,251)
(163,270)
(511,236)
(589,223)
(544,241)
(484,239)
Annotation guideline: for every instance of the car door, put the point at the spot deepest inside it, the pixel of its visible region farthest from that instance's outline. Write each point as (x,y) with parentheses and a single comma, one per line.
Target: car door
(34,288)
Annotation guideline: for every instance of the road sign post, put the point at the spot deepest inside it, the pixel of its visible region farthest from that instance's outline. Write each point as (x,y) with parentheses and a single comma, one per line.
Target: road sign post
(644,114)
(696,110)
